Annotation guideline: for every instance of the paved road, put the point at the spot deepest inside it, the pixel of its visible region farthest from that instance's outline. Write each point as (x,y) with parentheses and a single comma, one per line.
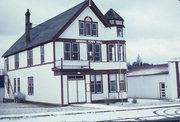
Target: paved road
(170,113)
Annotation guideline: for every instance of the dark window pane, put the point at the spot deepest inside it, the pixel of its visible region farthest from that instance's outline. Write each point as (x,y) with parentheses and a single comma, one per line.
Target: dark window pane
(94,26)
(67,56)
(67,47)
(75,47)
(88,29)
(97,56)
(75,56)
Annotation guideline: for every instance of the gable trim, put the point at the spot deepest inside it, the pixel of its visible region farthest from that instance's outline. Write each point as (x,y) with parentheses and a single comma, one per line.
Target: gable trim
(94,8)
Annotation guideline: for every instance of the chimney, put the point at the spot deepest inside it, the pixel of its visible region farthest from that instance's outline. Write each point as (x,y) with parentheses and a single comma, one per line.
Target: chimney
(90,2)
(28,26)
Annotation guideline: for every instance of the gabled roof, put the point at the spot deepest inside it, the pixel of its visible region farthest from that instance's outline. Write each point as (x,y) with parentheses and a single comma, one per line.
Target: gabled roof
(111,14)
(149,70)
(51,29)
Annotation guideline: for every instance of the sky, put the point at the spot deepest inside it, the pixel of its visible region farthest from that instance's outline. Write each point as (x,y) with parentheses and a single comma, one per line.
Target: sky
(152,27)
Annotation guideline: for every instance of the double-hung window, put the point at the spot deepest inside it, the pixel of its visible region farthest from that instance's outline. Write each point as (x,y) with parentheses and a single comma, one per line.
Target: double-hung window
(87,27)
(94,52)
(111,52)
(81,28)
(42,53)
(121,54)
(30,86)
(71,51)
(96,84)
(113,83)
(122,82)
(30,57)
(94,29)
(75,51)
(16,58)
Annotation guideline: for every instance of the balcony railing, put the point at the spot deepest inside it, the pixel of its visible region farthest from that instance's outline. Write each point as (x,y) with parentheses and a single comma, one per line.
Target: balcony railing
(72,64)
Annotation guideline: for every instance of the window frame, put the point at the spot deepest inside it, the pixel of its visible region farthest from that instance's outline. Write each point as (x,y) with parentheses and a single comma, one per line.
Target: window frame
(30,86)
(90,32)
(30,57)
(81,29)
(16,61)
(114,84)
(93,57)
(121,52)
(113,52)
(42,54)
(94,83)
(71,52)
(120,33)
(96,30)
(124,83)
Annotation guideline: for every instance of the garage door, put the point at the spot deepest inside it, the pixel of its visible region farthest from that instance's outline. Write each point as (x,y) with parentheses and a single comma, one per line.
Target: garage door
(76,91)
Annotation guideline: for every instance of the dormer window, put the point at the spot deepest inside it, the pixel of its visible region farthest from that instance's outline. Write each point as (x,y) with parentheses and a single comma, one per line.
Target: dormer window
(88,27)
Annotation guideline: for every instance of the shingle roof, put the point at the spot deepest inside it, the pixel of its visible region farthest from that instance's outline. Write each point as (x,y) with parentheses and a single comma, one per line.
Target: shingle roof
(149,70)
(45,31)
(111,14)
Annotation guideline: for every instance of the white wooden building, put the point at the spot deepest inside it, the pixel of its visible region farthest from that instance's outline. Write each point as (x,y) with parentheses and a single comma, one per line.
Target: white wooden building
(157,81)
(75,57)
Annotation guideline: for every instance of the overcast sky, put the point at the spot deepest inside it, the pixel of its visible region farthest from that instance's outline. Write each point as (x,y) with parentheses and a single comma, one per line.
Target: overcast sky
(152,26)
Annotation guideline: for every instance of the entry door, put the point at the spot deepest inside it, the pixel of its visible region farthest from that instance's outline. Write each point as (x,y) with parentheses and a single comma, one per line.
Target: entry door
(162,90)
(76,91)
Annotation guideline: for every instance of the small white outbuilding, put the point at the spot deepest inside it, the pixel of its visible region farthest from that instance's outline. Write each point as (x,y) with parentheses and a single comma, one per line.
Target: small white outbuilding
(157,81)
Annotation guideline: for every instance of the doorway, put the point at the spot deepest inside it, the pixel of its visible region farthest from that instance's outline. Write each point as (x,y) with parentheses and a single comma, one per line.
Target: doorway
(76,90)
(162,90)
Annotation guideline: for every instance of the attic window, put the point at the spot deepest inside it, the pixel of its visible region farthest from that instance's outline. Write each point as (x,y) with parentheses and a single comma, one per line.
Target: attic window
(119,32)
(87,27)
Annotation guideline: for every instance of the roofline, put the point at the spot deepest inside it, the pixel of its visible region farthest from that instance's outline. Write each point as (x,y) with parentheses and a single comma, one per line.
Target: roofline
(163,73)
(28,48)
(93,8)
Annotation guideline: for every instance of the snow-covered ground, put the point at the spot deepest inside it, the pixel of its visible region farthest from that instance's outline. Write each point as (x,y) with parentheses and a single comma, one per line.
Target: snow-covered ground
(144,109)
(27,108)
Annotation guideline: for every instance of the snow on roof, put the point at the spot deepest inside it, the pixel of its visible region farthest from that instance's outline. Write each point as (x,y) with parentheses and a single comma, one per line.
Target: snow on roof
(149,70)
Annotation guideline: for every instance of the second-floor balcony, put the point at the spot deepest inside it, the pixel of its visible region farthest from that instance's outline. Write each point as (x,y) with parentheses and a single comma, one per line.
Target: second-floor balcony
(72,64)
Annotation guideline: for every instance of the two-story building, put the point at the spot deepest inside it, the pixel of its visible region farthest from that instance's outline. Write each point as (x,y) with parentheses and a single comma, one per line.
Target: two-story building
(75,57)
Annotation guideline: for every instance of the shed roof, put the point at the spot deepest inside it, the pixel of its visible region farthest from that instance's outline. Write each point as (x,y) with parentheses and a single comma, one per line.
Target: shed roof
(149,70)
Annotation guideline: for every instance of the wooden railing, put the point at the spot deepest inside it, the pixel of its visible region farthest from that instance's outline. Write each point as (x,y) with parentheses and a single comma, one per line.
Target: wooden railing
(72,64)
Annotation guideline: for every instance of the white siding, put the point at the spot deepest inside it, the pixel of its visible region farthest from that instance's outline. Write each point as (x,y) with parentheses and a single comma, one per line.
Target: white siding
(59,50)
(104,52)
(65,90)
(23,59)
(88,92)
(103,33)
(46,89)
(48,51)
(172,81)
(11,62)
(83,51)
(36,56)
(146,86)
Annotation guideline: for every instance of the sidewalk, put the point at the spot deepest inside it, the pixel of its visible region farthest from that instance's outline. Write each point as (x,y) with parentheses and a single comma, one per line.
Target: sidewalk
(102,108)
